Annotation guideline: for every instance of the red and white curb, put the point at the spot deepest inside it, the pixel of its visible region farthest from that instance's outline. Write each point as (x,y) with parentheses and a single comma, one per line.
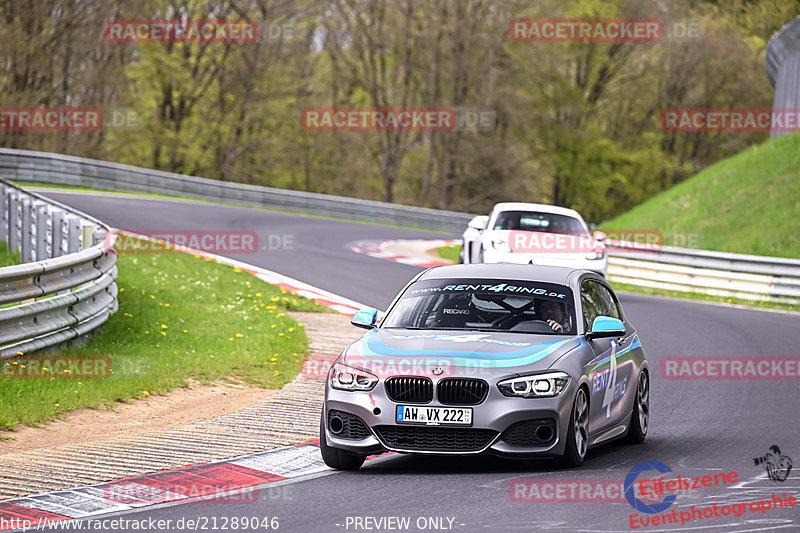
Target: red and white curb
(329,299)
(232,482)
(406,251)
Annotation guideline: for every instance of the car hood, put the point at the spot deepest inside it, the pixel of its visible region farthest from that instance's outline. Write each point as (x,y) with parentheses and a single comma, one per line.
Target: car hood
(443,353)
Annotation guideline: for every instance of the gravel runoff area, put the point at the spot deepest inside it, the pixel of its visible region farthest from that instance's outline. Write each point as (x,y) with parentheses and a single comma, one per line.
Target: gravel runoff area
(287,417)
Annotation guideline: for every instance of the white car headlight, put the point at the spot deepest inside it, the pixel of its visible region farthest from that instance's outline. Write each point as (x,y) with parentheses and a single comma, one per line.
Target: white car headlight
(538,386)
(344,377)
(598,253)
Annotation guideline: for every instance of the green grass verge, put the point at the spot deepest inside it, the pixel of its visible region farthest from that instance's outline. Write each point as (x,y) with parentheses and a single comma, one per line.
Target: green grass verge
(8,258)
(624,287)
(748,203)
(179,317)
(449,252)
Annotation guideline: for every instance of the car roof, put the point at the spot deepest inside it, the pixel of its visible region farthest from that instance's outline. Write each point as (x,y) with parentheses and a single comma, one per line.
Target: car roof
(544,208)
(545,274)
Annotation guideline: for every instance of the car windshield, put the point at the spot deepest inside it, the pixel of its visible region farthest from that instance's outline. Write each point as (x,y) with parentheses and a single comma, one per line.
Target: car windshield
(536,221)
(485,305)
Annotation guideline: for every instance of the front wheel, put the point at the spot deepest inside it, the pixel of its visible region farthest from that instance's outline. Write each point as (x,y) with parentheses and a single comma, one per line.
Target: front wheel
(334,457)
(577,432)
(640,417)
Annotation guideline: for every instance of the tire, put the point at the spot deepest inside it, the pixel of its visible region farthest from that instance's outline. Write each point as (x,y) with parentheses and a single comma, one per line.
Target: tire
(577,432)
(334,457)
(640,417)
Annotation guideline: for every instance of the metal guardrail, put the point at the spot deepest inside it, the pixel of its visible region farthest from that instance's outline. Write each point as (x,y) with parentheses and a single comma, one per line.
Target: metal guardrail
(65,286)
(44,167)
(749,277)
(682,269)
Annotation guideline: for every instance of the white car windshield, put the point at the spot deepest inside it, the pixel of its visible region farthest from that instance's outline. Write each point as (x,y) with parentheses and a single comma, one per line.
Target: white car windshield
(537,221)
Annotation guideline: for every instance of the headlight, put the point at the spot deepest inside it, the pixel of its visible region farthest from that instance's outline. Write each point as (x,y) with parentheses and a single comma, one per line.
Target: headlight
(598,253)
(344,377)
(539,386)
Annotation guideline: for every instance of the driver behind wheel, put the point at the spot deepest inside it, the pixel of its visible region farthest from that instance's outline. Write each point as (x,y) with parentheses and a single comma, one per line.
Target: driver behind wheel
(551,312)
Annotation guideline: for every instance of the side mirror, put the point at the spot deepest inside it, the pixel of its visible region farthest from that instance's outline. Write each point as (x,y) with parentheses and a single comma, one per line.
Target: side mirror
(605,326)
(599,236)
(478,222)
(365,318)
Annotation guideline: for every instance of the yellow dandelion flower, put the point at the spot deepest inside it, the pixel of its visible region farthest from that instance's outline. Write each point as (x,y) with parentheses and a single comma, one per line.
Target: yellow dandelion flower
(230,338)
(164,333)
(237,269)
(274,326)
(186,331)
(145,393)
(164,326)
(258,295)
(152,297)
(146,332)
(166,305)
(122,289)
(276,373)
(239,335)
(291,330)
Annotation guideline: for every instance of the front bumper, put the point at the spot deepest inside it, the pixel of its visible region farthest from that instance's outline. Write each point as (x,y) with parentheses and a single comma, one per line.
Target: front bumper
(500,425)
(577,260)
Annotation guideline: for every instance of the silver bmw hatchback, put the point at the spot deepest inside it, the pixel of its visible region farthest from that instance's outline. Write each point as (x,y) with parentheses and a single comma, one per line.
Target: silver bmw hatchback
(515,360)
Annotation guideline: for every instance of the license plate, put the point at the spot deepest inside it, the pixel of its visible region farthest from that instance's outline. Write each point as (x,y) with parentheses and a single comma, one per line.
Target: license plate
(433,416)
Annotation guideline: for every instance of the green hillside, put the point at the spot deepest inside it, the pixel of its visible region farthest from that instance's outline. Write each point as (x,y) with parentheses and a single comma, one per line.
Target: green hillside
(748,203)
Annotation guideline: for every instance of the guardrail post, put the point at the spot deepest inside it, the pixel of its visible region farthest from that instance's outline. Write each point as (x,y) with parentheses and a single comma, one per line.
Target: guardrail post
(73,234)
(87,236)
(3,212)
(13,217)
(41,233)
(57,233)
(26,231)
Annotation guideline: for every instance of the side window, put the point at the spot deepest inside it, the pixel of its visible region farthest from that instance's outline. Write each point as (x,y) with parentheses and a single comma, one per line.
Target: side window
(589,304)
(606,303)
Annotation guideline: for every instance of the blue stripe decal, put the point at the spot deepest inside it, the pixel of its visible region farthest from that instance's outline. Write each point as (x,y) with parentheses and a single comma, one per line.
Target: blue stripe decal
(603,358)
(370,344)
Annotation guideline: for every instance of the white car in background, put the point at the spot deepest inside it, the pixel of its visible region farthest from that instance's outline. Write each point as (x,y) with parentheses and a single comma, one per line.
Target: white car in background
(536,234)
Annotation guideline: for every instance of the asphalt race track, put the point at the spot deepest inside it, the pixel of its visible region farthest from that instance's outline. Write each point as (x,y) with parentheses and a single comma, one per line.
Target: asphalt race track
(696,427)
